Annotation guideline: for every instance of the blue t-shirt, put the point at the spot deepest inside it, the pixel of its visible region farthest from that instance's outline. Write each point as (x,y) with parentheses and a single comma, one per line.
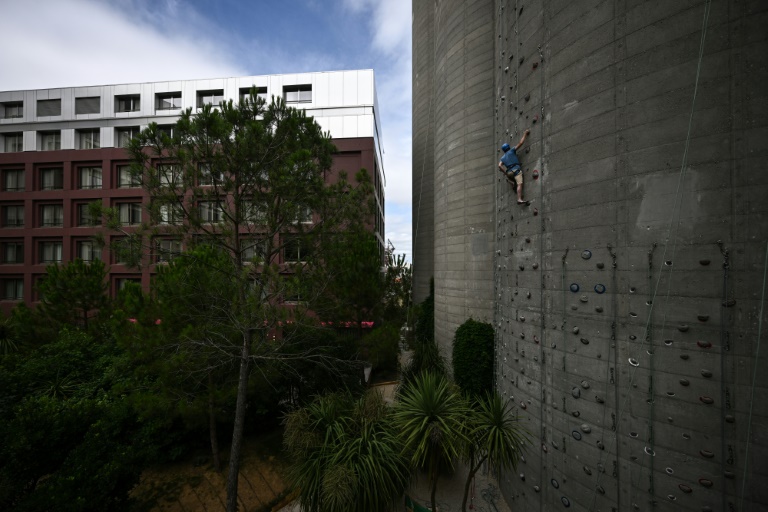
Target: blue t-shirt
(510,159)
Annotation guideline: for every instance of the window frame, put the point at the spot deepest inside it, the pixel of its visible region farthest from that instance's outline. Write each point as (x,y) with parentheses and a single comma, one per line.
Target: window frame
(14,172)
(167,249)
(13,142)
(202,96)
(131,210)
(16,208)
(58,215)
(135,101)
(16,106)
(261,92)
(95,251)
(121,131)
(89,138)
(84,219)
(132,182)
(81,102)
(43,244)
(300,90)
(214,212)
(18,246)
(45,141)
(161,97)
(91,186)
(58,178)
(17,283)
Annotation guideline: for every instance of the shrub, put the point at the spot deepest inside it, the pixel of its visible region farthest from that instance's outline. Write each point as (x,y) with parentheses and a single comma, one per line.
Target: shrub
(383,347)
(473,357)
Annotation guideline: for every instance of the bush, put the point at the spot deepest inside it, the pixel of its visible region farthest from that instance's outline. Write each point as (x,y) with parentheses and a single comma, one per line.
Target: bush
(473,357)
(383,347)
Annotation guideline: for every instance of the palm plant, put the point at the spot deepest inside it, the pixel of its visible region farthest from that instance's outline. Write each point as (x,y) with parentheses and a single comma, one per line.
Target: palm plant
(346,454)
(431,417)
(495,436)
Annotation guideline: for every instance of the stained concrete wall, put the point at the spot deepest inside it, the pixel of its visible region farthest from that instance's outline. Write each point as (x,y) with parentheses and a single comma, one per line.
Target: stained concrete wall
(629,292)
(627,297)
(423,148)
(464,176)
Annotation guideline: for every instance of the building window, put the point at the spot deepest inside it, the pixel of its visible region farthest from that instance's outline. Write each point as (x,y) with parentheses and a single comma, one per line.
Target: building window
(13,216)
(90,177)
(122,282)
(296,250)
(252,250)
(130,213)
(168,101)
(13,252)
(52,178)
(254,212)
(170,175)
(213,97)
(304,215)
(84,217)
(126,179)
(50,252)
(168,129)
(88,250)
(13,180)
(51,215)
(209,178)
(170,214)
(297,93)
(50,141)
(13,142)
(211,212)
(89,139)
(13,288)
(124,135)
(91,105)
(128,103)
(13,109)
(245,92)
(166,250)
(47,108)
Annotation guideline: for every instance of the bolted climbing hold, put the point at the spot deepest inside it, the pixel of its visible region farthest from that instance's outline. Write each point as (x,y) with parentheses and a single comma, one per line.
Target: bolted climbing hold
(575,330)
(506,69)
(632,337)
(535,211)
(584,298)
(703,318)
(599,400)
(634,362)
(670,471)
(574,287)
(706,374)
(585,384)
(536,488)
(705,482)
(706,400)
(684,357)
(600,288)
(600,445)
(586,469)
(600,266)
(704,262)
(600,489)
(522,477)
(685,488)
(585,341)
(586,428)
(555,483)
(729,303)
(706,454)
(522,267)
(527,240)
(535,65)
(576,414)
(685,382)
(704,344)
(586,254)
(535,266)
(527,97)
(730,418)
(520,62)
(535,118)
(683,327)
(668,342)
(599,309)
(535,174)
(528,295)
(576,392)
(503,98)
(566,502)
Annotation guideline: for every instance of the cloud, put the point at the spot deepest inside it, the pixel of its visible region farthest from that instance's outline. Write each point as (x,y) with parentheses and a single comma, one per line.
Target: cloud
(84,42)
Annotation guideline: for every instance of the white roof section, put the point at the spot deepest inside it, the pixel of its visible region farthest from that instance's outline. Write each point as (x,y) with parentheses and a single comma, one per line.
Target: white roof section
(342,102)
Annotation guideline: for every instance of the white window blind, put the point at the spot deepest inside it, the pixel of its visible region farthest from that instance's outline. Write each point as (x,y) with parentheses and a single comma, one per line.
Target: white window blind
(91,105)
(46,108)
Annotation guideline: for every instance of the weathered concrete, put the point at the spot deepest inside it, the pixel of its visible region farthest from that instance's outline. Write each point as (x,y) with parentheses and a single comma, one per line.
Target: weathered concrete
(639,397)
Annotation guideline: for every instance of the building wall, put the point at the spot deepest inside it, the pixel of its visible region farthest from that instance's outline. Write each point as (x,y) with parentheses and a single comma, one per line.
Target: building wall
(628,296)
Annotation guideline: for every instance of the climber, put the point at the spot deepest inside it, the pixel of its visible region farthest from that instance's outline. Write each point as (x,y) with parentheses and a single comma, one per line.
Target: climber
(510,166)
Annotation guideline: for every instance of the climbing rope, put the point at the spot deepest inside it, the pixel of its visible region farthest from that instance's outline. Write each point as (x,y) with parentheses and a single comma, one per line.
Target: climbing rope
(755,365)
(675,208)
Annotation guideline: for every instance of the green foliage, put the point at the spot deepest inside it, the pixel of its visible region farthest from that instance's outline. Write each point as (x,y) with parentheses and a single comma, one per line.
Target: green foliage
(73,293)
(397,289)
(426,354)
(383,346)
(71,440)
(425,317)
(346,454)
(431,418)
(473,357)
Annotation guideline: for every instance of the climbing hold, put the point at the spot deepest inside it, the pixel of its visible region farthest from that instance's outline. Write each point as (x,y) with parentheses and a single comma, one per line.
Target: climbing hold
(576,435)
(536,488)
(527,240)
(706,374)
(555,445)
(670,393)
(600,288)
(574,307)
(670,471)
(506,69)
(586,254)
(730,418)
(528,295)
(522,405)
(535,266)
(683,327)
(527,97)
(632,337)
(522,319)
(599,400)
(634,362)
(575,330)
(633,314)
(503,98)
(600,445)
(706,483)
(704,262)
(576,392)
(535,118)
(535,174)
(600,266)
(585,341)
(668,263)
(703,318)
(544,448)
(599,309)
(684,357)
(574,287)
(668,343)
(600,489)
(535,65)
(587,470)
(729,474)
(583,298)
(522,335)
(671,497)
(555,484)
(729,303)
(585,384)
(704,344)
(586,428)
(706,454)
(685,489)
(684,382)
(522,267)
(633,435)
(566,502)
(650,452)
(522,477)
(536,339)
(576,414)
(686,436)
(535,211)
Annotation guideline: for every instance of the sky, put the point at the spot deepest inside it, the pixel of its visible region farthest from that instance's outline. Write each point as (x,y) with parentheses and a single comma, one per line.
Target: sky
(66,43)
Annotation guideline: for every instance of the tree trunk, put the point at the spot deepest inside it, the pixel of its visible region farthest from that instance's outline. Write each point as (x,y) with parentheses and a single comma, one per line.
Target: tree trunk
(237,433)
(470,476)
(212,426)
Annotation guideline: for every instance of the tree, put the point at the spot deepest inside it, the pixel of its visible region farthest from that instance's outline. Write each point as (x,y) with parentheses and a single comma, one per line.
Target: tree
(495,436)
(72,294)
(431,416)
(472,358)
(346,454)
(246,178)
(397,289)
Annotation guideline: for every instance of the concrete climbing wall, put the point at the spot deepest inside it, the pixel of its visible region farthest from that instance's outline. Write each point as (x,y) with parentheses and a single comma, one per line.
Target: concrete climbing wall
(423,148)
(463,175)
(628,294)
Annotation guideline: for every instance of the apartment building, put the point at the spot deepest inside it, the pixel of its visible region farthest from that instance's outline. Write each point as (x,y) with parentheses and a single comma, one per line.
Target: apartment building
(61,149)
